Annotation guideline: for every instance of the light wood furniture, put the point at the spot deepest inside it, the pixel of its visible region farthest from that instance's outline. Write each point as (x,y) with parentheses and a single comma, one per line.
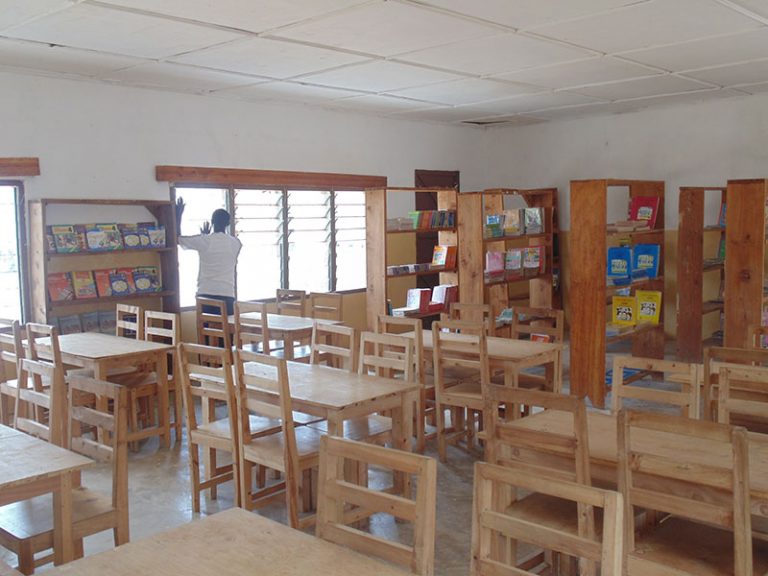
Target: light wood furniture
(479,313)
(243,540)
(129,321)
(251,327)
(688,541)
(682,374)
(500,292)
(489,518)
(292,451)
(51,211)
(10,346)
(591,297)
(165,327)
(757,335)
(27,528)
(384,245)
(743,397)
(31,467)
(527,321)
(289,329)
(336,524)
(326,305)
(696,277)
(328,346)
(291,302)
(212,323)
(745,259)
(714,358)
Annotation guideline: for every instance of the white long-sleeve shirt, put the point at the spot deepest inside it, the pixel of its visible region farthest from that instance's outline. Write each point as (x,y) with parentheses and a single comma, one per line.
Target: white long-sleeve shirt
(218,258)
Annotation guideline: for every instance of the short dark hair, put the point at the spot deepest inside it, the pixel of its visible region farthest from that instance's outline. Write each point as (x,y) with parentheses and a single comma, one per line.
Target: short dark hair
(220,219)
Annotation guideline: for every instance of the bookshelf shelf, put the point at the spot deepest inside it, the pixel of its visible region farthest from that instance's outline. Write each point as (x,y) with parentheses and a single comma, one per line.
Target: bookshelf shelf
(630,333)
(517,237)
(495,281)
(422,272)
(644,284)
(423,230)
(712,306)
(92,253)
(106,299)
(635,235)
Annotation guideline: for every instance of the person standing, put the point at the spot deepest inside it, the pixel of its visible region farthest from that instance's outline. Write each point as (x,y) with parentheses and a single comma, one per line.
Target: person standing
(218,252)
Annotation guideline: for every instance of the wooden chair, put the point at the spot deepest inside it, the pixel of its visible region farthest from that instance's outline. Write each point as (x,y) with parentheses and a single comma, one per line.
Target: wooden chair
(335,522)
(743,397)
(212,327)
(26,527)
(757,334)
(708,531)
(10,351)
(478,313)
(681,374)
(714,358)
(490,521)
(326,305)
(527,321)
(291,302)
(252,331)
(165,327)
(129,321)
(468,351)
(328,346)
(294,451)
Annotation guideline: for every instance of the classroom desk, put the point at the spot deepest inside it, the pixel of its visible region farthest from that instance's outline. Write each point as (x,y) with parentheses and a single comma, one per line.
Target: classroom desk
(603,449)
(289,329)
(230,543)
(31,467)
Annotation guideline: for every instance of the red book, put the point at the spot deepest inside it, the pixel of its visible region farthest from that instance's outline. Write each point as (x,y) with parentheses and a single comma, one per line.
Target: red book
(644,209)
(101,277)
(60,286)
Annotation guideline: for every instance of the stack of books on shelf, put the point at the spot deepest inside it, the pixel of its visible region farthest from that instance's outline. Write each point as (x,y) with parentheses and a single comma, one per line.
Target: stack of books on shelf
(643,211)
(421,301)
(428,219)
(401,223)
(627,263)
(86,284)
(96,321)
(69,238)
(515,263)
(443,259)
(515,222)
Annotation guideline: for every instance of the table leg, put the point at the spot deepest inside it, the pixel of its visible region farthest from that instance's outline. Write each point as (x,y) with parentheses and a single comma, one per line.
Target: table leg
(557,380)
(402,430)
(288,345)
(63,545)
(161,369)
(100,373)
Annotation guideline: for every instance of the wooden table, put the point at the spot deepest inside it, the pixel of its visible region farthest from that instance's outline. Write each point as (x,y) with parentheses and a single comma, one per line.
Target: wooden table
(230,543)
(603,449)
(30,467)
(102,352)
(513,355)
(289,329)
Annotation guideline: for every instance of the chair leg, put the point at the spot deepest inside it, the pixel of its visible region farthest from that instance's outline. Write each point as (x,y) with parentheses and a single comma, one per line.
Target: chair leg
(441,449)
(246,478)
(210,465)
(194,475)
(26,557)
(178,413)
(420,415)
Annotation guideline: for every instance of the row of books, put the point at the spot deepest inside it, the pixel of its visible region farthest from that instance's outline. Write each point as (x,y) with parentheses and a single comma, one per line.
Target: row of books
(516,262)
(426,219)
(626,263)
(644,306)
(86,284)
(97,321)
(514,222)
(70,238)
(425,301)
(642,214)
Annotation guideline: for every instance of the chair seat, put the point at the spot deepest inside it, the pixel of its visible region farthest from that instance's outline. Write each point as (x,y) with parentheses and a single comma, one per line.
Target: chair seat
(465,394)
(552,512)
(270,450)
(692,549)
(524,380)
(362,428)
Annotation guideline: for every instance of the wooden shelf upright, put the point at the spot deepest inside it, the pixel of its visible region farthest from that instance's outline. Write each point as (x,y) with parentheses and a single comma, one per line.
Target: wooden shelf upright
(745,259)
(380,253)
(694,239)
(590,297)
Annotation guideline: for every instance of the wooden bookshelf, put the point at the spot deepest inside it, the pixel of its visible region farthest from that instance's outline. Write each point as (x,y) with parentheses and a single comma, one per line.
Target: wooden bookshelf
(745,259)
(45,212)
(382,250)
(589,292)
(694,275)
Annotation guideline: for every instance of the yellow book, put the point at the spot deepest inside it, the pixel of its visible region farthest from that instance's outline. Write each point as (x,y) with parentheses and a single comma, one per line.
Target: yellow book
(648,306)
(624,310)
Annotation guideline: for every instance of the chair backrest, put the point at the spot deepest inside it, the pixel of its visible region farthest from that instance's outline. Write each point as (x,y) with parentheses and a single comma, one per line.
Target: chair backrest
(399,324)
(461,345)
(527,322)
(477,313)
(489,520)
(682,375)
(743,397)
(291,302)
(334,345)
(251,326)
(758,335)
(562,454)
(654,475)
(108,429)
(129,321)
(165,328)
(10,349)
(212,323)
(386,355)
(41,395)
(335,524)
(714,358)
(326,305)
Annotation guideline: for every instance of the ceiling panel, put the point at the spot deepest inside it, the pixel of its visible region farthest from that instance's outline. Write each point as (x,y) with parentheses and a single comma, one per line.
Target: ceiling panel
(38,56)
(178,77)
(759,7)
(118,32)
(380,76)
(253,15)
(386,28)
(275,58)
(529,102)
(747,73)
(706,52)
(379,104)
(526,13)
(289,91)
(465,91)
(14,12)
(650,24)
(447,113)
(653,86)
(755,88)
(495,54)
(592,71)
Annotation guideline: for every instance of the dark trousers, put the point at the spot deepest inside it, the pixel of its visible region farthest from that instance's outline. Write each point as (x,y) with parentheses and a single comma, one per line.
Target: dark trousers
(229,300)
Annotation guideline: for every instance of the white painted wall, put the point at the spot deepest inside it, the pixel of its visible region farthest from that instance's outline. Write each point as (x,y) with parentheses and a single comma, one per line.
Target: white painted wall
(704,144)
(97,141)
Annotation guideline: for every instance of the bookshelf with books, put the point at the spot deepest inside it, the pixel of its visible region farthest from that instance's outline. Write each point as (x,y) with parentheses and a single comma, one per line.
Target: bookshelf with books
(391,249)
(700,270)
(594,299)
(504,259)
(81,269)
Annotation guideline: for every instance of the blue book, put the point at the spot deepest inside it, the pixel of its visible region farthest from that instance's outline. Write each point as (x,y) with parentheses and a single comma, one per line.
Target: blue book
(646,260)
(619,264)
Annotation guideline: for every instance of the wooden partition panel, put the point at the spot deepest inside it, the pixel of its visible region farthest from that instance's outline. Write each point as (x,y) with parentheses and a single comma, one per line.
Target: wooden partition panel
(690,263)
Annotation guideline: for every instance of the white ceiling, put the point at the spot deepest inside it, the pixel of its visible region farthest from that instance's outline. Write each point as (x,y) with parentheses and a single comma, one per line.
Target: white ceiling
(481,61)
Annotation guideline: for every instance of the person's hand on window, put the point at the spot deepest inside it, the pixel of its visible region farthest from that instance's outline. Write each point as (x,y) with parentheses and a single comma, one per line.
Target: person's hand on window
(205,228)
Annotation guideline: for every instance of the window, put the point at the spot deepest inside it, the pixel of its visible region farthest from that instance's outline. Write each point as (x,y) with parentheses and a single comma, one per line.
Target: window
(311,240)
(10,263)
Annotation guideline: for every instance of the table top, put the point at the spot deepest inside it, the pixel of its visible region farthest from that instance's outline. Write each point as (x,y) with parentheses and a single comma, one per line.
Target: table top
(96,346)
(229,543)
(285,322)
(26,458)
(505,348)
(333,388)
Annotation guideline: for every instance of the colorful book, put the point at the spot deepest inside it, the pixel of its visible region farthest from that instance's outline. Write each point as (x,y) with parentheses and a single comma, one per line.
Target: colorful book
(533,260)
(513,223)
(445,294)
(80,233)
(513,263)
(156,236)
(444,255)
(65,239)
(535,337)
(101,279)
(131,236)
(70,324)
(90,321)
(721,248)
(494,225)
(619,264)
(534,221)
(494,262)
(60,286)
(624,310)
(107,321)
(83,284)
(143,228)
(104,237)
(648,306)
(50,241)
(121,282)
(146,279)
(418,298)
(645,260)
(644,209)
